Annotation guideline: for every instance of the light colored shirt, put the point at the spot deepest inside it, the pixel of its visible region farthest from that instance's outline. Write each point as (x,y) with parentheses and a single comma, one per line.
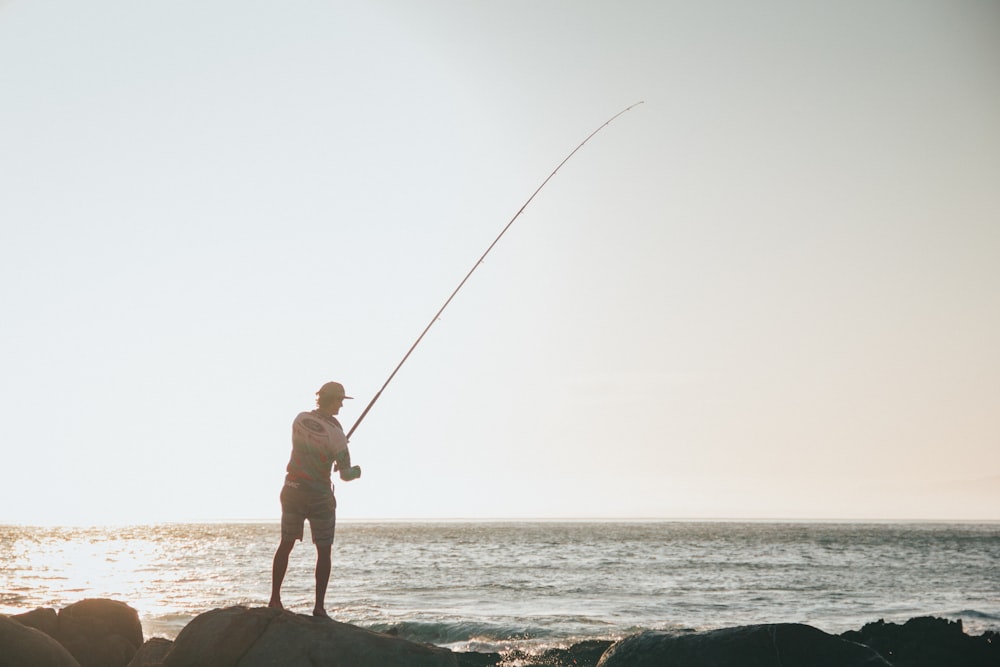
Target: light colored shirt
(317,440)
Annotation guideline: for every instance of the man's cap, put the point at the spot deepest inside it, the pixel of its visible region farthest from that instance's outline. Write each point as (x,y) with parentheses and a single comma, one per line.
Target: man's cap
(332,390)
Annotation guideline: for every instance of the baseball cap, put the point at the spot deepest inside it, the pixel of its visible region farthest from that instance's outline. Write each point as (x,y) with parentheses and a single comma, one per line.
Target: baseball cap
(332,390)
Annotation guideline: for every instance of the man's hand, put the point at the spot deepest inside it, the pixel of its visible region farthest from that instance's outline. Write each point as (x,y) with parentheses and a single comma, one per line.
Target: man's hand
(351,473)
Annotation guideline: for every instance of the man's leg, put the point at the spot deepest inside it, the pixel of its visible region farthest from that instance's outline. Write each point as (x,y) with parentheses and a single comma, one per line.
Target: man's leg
(323,566)
(278,569)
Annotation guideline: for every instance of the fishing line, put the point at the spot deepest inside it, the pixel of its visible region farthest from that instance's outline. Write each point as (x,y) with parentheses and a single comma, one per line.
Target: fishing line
(437,315)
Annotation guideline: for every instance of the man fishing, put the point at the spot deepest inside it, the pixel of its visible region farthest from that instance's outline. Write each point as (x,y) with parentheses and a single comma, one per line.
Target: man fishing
(318,444)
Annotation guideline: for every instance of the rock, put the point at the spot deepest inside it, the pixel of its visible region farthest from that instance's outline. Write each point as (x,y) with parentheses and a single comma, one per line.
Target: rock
(219,637)
(45,620)
(152,653)
(262,637)
(96,632)
(476,659)
(777,645)
(100,633)
(929,642)
(23,646)
(585,654)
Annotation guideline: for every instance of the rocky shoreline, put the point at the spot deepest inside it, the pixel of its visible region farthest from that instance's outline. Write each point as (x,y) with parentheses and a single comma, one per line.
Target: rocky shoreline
(107,633)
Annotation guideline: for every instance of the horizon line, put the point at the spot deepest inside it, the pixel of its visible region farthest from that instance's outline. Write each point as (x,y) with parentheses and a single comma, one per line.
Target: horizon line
(510,519)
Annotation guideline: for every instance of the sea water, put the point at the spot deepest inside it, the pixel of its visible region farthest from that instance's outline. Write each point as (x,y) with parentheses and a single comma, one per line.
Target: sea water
(527,585)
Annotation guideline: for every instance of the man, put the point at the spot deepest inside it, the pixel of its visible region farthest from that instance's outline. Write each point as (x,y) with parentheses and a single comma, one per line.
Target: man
(318,444)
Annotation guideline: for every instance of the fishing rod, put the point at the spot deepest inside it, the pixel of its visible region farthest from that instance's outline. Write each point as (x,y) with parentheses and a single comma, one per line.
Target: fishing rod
(475,266)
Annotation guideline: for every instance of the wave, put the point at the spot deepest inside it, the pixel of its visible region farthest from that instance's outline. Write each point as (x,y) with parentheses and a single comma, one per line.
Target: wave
(442,633)
(504,637)
(973,614)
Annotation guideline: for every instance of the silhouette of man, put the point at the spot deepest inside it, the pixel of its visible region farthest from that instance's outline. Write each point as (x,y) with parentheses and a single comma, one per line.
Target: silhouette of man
(318,444)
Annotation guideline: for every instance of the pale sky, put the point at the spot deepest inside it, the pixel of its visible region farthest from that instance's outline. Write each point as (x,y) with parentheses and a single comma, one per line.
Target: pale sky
(770,291)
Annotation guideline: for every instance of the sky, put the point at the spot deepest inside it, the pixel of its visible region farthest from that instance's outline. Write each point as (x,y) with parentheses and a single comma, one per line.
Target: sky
(771,291)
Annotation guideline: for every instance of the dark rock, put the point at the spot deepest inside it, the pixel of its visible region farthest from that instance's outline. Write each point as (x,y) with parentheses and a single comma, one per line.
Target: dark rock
(477,659)
(45,620)
(929,642)
(778,645)
(219,637)
(23,646)
(262,637)
(100,633)
(107,633)
(97,633)
(585,654)
(152,653)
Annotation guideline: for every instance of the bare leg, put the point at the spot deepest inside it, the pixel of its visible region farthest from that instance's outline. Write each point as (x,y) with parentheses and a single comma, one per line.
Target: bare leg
(278,569)
(323,566)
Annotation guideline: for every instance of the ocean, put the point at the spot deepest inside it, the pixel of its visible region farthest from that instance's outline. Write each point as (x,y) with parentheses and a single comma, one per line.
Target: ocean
(491,586)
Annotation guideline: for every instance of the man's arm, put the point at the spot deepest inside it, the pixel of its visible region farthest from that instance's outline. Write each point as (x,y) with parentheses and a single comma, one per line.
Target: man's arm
(342,463)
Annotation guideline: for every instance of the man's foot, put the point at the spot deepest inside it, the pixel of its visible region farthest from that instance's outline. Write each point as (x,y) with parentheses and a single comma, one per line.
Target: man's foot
(320,613)
(276,604)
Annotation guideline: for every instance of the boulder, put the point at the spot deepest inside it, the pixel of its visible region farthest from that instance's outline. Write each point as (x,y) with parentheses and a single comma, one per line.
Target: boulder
(23,646)
(152,653)
(100,633)
(777,645)
(929,642)
(45,620)
(587,652)
(259,637)
(476,659)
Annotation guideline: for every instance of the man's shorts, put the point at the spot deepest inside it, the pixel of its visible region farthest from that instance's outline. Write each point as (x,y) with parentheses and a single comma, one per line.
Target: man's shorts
(298,503)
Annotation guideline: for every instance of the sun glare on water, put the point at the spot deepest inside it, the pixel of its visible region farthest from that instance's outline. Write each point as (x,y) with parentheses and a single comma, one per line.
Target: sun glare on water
(90,563)
(168,572)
